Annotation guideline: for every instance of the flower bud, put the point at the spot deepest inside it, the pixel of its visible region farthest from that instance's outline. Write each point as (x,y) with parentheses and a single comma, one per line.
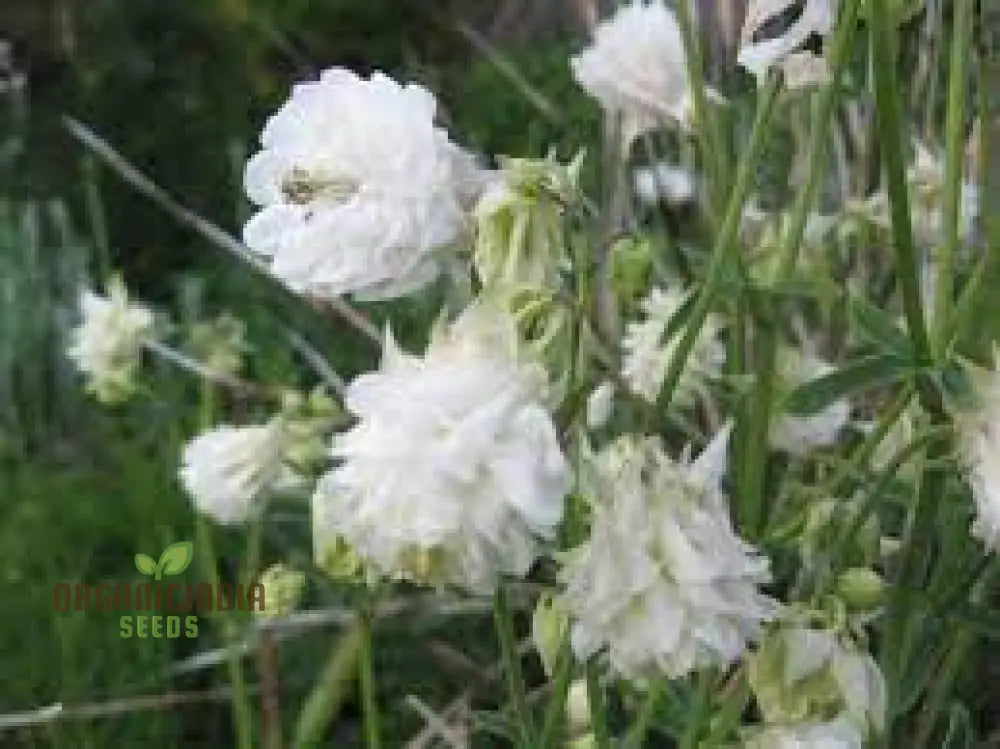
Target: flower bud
(548,630)
(861,588)
(282,590)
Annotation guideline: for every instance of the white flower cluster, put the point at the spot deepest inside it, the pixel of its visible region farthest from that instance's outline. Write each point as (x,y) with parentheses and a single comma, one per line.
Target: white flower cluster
(663,584)
(650,344)
(107,344)
(359,191)
(453,473)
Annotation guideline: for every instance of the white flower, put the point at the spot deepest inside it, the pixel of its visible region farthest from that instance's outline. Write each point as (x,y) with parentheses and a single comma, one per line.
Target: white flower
(926,177)
(801,675)
(800,434)
(600,404)
(358,188)
(926,182)
(786,51)
(107,344)
(636,68)
(664,182)
(663,584)
(836,734)
(453,473)
(979,439)
(648,349)
(225,469)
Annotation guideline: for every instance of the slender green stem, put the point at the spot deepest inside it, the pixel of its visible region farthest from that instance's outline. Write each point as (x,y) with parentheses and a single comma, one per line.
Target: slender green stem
(957,656)
(366,674)
(330,691)
(560,690)
(710,141)
(512,667)
(961,47)
(757,429)
(598,709)
(883,46)
(864,452)
(242,715)
(725,243)
(826,100)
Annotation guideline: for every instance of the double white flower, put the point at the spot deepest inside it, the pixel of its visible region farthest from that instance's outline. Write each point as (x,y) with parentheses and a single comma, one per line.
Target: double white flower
(453,473)
(813,685)
(106,346)
(358,189)
(663,584)
(636,68)
(226,469)
(649,345)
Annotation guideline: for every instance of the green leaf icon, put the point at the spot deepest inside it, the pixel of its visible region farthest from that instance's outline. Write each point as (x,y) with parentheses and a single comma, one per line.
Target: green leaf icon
(145,564)
(175,559)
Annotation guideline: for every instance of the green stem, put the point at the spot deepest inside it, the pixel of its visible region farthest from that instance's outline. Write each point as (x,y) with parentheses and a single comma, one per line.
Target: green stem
(560,690)
(512,667)
(366,674)
(242,716)
(725,243)
(758,428)
(883,43)
(826,100)
(710,141)
(330,691)
(598,710)
(964,639)
(961,45)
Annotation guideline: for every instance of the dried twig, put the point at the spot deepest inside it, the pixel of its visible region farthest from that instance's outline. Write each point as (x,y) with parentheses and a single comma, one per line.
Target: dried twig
(214,234)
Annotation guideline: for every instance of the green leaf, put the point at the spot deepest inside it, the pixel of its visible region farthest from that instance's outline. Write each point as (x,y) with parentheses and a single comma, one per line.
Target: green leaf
(176,558)
(146,565)
(815,395)
(877,327)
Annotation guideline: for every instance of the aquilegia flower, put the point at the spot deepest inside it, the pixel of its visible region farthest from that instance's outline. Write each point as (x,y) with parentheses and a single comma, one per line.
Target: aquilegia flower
(453,473)
(358,189)
(978,425)
(650,344)
(802,677)
(106,346)
(760,52)
(636,68)
(663,584)
(227,469)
